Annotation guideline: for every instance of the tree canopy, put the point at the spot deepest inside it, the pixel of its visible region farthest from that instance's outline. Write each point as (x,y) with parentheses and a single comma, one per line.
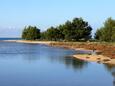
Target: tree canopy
(31,33)
(107,32)
(70,31)
(74,30)
(77,29)
(53,34)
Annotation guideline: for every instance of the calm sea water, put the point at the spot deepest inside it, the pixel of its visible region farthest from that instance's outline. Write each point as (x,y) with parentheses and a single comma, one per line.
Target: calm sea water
(40,65)
(10,39)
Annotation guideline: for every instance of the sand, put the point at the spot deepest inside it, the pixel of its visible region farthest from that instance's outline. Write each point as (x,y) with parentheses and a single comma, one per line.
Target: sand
(95,58)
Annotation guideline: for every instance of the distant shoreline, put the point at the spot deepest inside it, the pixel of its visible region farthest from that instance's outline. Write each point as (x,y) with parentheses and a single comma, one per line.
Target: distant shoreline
(104,57)
(28,41)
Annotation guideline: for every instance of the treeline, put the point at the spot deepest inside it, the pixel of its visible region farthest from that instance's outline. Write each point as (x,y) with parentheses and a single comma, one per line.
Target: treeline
(75,30)
(107,32)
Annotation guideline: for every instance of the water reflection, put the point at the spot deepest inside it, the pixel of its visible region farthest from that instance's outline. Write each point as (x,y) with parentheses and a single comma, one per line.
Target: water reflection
(68,61)
(75,63)
(34,52)
(111,69)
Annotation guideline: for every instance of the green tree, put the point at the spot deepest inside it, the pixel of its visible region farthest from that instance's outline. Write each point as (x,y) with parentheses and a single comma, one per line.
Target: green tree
(43,35)
(107,32)
(31,33)
(53,34)
(76,30)
(82,29)
(68,31)
(61,32)
(98,34)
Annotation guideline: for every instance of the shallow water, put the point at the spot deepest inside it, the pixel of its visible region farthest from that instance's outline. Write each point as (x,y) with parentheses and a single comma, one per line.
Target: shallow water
(40,65)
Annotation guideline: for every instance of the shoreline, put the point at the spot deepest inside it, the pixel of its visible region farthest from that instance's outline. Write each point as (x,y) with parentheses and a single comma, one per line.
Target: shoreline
(28,41)
(101,56)
(96,58)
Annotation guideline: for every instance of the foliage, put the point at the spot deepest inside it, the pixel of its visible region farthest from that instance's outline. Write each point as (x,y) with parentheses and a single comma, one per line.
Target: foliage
(53,34)
(76,30)
(31,33)
(107,32)
(43,35)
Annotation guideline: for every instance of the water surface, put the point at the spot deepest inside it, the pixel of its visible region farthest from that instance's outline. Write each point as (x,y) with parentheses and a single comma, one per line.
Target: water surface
(40,65)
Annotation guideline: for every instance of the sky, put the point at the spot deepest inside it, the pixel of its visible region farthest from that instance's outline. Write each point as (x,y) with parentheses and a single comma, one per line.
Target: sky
(16,14)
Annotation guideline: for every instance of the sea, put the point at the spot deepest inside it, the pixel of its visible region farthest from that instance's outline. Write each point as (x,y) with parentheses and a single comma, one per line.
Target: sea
(41,65)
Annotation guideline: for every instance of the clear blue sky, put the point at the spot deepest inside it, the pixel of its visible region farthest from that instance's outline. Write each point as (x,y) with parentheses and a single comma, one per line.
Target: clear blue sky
(15,14)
